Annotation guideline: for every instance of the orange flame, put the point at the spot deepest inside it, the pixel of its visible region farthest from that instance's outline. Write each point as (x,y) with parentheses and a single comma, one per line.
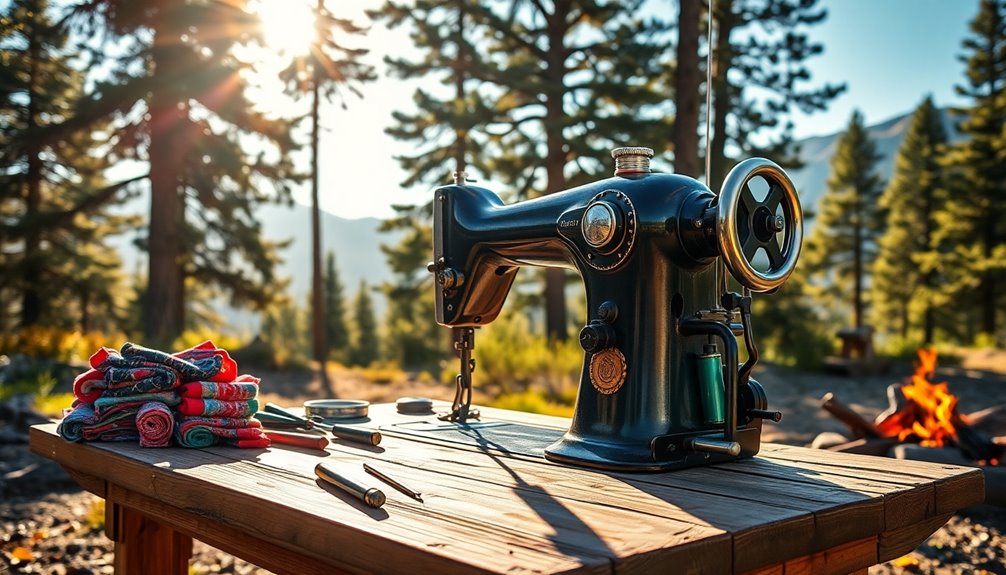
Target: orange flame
(932,412)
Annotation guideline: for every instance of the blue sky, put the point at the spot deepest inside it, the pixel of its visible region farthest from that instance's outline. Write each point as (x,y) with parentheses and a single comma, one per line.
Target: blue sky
(891,53)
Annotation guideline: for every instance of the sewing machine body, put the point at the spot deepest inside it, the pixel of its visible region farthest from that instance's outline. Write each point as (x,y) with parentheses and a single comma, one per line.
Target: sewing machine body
(644,245)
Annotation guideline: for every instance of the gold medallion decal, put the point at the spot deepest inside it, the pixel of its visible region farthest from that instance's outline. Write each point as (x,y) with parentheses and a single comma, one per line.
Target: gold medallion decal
(607,370)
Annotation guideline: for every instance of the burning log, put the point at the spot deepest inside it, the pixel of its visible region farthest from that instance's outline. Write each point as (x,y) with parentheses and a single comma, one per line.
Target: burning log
(925,413)
(928,415)
(990,421)
(859,425)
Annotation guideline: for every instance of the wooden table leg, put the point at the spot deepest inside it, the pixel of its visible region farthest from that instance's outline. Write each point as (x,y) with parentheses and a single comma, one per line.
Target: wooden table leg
(143,545)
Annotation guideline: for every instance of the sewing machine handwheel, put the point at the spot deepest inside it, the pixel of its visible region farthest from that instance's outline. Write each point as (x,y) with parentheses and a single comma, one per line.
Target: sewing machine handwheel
(745,225)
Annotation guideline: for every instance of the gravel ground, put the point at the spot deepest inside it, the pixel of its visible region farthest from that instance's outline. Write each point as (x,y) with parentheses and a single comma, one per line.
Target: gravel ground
(48,525)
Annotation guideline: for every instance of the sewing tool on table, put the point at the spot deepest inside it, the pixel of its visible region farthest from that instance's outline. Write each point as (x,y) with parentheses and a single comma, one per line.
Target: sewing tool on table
(369,495)
(306,440)
(284,417)
(392,482)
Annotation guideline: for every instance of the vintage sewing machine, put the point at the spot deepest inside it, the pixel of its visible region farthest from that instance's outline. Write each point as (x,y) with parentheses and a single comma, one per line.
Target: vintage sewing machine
(660,387)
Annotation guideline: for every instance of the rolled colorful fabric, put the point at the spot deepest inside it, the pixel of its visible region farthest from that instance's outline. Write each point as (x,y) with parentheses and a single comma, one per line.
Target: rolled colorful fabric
(84,424)
(201,432)
(192,406)
(72,426)
(155,423)
(243,388)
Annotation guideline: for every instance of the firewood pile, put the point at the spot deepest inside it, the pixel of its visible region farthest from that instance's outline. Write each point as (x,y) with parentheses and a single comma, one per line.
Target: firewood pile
(923,422)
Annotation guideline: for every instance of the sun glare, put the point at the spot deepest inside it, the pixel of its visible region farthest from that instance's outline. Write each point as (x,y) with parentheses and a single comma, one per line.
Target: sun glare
(288,25)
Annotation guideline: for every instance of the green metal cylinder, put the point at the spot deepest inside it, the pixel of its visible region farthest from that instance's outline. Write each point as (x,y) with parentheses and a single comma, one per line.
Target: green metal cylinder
(710,367)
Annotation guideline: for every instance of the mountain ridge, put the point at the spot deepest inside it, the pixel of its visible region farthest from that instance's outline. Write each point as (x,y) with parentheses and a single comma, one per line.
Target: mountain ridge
(357,242)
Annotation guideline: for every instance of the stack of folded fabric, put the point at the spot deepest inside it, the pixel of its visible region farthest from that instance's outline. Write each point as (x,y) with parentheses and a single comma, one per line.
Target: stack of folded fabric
(213,412)
(194,396)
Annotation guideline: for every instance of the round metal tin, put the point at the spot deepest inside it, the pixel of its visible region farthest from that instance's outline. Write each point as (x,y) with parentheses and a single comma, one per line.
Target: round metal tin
(336,408)
(414,405)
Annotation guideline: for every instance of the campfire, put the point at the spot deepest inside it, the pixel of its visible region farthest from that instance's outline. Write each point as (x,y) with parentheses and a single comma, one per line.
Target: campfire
(924,422)
(928,416)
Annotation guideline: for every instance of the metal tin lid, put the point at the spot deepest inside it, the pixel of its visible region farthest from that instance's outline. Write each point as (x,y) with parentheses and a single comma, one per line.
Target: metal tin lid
(336,408)
(414,405)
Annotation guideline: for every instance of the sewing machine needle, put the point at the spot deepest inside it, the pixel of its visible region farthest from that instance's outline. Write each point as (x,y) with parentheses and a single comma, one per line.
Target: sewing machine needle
(413,494)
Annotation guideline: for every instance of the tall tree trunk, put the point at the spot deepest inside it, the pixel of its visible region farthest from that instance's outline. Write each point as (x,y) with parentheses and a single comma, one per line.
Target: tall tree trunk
(555,163)
(722,62)
(857,273)
(461,132)
(686,90)
(85,310)
(928,326)
(905,320)
(317,290)
(989,292)
(164,311)
(31,303)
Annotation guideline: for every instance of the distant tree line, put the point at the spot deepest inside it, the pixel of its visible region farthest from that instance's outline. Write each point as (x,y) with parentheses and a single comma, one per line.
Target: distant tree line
(530,95)
(923,258)
(535,95)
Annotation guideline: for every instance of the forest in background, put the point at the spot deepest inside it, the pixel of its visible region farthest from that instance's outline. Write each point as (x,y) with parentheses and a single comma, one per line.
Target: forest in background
(530,94)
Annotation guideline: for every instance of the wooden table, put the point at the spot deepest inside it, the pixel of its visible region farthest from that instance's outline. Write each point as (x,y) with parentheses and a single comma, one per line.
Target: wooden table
(788,510)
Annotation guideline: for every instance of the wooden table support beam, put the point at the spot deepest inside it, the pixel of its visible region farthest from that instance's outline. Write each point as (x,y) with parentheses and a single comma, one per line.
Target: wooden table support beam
(143,545)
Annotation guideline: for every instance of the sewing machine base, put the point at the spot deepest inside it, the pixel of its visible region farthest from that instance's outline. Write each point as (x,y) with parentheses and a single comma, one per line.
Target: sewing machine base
(665,452)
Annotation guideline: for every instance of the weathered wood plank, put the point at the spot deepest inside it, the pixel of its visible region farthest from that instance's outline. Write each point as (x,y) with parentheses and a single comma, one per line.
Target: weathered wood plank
(955,487)
(485,513)
(897,542)
(455,535)
(90,483)
(838,560)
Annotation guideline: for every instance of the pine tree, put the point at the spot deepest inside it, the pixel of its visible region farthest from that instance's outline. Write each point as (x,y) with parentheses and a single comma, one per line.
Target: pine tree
(448,131)
(842,246)
(329,69)
(177,96)
(336,331)
(973,227)
(572,80)
(760,74)
(53,199)
(448,126)
(905,282)
(413,339)
(366,345)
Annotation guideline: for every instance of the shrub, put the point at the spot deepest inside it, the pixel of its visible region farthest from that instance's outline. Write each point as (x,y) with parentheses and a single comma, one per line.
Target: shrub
(58,344)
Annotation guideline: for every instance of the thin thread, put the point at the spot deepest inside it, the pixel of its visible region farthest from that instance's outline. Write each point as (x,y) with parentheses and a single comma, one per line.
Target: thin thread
(720,273)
